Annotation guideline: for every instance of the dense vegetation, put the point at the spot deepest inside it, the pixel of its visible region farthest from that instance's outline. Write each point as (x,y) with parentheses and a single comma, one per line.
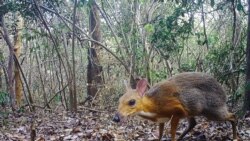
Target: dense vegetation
(66,53)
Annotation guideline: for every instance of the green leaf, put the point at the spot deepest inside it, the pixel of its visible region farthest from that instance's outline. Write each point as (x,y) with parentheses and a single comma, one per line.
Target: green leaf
(149,28)
(200,2)
(184,3)
(83,1)
(4,97)
(239,6)
(212,3)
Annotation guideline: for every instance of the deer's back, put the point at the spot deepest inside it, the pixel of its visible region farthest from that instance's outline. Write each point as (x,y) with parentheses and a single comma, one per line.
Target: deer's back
(200,93)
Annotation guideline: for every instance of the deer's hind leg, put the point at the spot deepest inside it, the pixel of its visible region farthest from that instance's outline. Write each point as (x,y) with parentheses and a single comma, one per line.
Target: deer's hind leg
(232,118)
(191,125)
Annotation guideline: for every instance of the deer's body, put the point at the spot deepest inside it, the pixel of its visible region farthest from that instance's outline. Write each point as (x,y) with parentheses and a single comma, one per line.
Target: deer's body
(185,95)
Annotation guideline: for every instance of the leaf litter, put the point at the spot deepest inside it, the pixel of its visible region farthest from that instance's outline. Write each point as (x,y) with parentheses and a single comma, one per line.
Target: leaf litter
(87,125)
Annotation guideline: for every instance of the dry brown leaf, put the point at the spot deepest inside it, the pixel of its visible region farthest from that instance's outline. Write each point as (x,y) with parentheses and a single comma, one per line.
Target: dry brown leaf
(40,139)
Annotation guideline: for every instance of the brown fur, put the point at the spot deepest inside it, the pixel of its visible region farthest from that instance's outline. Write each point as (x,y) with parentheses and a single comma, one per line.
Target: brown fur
(183,95)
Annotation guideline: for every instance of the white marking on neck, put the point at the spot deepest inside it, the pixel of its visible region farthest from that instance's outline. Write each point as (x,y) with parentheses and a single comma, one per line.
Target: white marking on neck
(147,114)
(152,115)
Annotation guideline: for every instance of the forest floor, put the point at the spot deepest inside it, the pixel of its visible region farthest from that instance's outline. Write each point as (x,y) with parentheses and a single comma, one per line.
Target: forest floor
(94,125)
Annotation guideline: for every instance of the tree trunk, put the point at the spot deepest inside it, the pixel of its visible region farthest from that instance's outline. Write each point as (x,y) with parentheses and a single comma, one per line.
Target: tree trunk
(17,51)
(133,63)
(1,69)
(247,89)
(73,98)
(94,69)
(10,62)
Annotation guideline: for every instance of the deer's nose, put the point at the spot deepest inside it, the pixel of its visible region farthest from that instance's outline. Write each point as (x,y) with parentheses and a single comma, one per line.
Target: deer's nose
(116,118)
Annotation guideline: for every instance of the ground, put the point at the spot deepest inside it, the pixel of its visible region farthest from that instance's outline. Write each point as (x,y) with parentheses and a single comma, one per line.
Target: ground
(96,125)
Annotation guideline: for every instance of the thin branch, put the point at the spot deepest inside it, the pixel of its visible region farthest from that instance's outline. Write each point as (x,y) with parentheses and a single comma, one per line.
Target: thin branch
(109,25)
(88,38)
(52,38)
(108,50)
(64,19)
(204,26)
(64,87)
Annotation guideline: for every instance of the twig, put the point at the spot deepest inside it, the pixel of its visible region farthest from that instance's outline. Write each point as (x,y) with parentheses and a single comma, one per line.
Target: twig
(88,38)
(55,95)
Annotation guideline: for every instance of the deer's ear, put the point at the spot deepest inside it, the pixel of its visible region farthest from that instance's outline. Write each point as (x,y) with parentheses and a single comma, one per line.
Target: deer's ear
(141,86)
(126,84)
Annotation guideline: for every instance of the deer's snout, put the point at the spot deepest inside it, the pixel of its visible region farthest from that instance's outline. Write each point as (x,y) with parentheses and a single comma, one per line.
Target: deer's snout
(117,117)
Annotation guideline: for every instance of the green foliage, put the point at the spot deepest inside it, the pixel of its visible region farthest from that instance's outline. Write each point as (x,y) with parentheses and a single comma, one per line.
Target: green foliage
(58,98)
(212,3)
(158,75)
(149,28)
(4,116)
(26,7)
(34,33)
(4,98)
(82,3)
(21,110)
(169,31)
(213,40)
(216,58)
(217,61)
(1,55)
(247,87)
(237,95)
(186,67)
(240,6)
(200,40)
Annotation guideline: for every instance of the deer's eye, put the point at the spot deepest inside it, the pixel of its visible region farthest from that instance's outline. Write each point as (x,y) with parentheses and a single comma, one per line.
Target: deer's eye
(131,102)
